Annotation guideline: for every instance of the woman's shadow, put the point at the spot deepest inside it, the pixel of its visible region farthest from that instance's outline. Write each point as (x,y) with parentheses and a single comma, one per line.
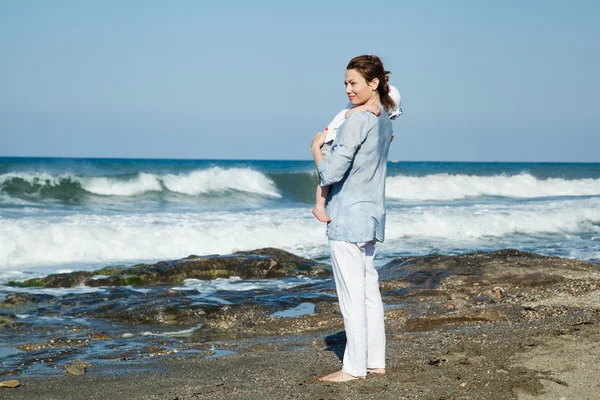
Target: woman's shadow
(336,343)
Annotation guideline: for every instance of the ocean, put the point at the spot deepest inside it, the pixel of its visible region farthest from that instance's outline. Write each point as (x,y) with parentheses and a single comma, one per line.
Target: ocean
(60,215)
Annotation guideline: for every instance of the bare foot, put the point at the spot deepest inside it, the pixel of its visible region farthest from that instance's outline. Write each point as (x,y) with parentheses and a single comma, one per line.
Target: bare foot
(376,371)
(340,376)
(320,213)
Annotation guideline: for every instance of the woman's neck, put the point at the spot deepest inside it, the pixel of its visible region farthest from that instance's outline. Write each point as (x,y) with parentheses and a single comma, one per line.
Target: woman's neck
(375,99)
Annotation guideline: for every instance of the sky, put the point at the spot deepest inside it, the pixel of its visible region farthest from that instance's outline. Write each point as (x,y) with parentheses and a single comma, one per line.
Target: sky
(497,80)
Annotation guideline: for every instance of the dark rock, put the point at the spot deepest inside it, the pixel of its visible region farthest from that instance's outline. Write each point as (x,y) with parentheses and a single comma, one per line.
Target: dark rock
(481,270)
(435,321)
(14,299)
(262,263)
(150,308)
(70,279)
(109,270)
(66,280)
(7,318)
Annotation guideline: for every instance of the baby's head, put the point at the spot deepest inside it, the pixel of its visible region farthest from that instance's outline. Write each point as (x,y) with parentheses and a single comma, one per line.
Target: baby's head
(395,95)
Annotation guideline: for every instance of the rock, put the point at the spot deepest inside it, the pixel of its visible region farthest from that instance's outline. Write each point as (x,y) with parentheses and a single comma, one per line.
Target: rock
(262,263)
(75,370)
(495,271)
(7,318)
(14,299)
(10,384)
(149,308)
(100,336)
(55,343)
(498,292)
(67,280)
(326,307)
(434,321)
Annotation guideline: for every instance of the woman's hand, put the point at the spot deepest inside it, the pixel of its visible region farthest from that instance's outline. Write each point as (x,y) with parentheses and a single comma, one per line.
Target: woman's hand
(318,141)
(373,109)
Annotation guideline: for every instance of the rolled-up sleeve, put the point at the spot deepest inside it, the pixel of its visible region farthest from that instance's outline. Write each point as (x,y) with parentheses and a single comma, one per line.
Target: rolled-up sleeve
(351,135)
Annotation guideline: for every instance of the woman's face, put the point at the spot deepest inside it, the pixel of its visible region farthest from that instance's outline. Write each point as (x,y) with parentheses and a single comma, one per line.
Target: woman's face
(359,91)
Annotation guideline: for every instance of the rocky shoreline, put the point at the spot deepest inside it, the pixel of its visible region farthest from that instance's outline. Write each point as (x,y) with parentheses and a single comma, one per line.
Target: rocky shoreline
(501,325)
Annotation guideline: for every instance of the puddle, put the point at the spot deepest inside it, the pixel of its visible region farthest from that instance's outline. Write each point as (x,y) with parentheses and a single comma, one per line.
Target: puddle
(220,353)
(300,309)
(7,351)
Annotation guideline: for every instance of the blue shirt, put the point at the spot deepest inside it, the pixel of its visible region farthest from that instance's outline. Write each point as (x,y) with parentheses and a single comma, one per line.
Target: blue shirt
(356,171)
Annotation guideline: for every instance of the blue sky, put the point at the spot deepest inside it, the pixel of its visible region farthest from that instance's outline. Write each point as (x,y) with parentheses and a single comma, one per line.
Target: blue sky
(498,80)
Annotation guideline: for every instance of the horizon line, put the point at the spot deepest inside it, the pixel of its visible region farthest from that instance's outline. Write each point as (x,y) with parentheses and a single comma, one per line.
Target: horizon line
(395,161)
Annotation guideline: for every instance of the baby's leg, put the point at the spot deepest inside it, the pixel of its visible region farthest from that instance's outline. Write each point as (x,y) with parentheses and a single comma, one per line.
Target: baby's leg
(319,209)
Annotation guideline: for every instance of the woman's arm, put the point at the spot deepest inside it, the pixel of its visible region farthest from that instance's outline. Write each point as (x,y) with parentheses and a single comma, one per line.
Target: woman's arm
(352,134)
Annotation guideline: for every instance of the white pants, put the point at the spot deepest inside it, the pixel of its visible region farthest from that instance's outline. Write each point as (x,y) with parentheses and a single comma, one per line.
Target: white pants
(356,281)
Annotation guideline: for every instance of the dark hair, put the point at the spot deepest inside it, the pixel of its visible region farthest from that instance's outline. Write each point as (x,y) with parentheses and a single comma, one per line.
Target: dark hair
(371,67)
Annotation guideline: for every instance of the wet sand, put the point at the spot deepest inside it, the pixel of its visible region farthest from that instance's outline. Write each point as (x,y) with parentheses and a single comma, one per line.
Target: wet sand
(552,359)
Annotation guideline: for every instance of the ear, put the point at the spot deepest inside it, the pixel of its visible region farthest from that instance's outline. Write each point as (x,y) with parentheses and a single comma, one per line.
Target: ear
(374,84)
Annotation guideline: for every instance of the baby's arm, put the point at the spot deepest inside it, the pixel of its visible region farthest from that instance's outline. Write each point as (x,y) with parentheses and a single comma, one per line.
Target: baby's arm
(372,108)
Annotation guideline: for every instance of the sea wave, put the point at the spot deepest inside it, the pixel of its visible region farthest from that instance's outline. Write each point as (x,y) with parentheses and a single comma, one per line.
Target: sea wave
(81,239)
(218,182)
(69,187)
(444,187)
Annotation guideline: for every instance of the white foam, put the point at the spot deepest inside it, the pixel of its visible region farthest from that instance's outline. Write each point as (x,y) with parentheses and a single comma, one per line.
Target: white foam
(51,291)
(236,284)
(219,180)
(77,320)
(64,271)
(95,239)
(140,290)
(454,187)
(38,243)
(182,333)
(117,187)
(496,220)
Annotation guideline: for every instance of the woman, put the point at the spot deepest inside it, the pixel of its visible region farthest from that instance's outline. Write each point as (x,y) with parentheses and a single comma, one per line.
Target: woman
(356,171)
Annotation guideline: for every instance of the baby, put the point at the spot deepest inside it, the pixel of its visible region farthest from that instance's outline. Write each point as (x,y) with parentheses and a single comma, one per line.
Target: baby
(330,133)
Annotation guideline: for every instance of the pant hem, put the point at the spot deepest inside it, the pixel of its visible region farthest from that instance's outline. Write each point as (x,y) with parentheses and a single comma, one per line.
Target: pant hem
(354,375)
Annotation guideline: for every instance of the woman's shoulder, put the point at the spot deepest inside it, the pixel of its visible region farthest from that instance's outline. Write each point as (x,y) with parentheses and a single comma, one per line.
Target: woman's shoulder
(362,118)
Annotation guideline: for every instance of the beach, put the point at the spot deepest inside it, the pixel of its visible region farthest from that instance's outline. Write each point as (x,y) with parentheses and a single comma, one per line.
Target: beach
(470,367)
(502,325)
